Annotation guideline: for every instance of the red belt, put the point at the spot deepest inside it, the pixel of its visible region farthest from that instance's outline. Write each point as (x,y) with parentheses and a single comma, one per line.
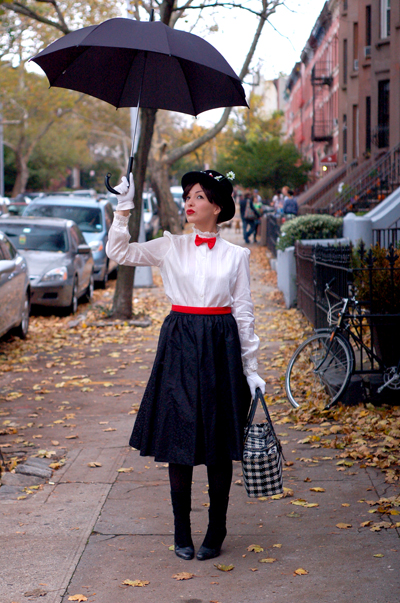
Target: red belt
(196,310)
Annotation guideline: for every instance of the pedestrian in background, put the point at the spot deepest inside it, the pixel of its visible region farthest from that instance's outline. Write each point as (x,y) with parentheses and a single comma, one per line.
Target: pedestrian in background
(290,205)
(243,204)
(252,215)
(205,371)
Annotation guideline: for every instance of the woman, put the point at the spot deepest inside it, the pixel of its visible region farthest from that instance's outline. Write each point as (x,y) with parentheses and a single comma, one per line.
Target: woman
(195,405)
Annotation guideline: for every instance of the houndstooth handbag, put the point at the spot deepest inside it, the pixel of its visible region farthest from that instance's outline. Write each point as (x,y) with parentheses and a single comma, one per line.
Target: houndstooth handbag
(262,455)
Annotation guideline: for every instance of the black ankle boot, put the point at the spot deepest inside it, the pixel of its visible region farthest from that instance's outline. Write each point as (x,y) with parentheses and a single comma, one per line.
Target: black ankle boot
(216,530)
(183,539)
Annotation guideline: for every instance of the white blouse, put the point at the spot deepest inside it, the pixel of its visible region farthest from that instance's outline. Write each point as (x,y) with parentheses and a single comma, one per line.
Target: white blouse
(196,275)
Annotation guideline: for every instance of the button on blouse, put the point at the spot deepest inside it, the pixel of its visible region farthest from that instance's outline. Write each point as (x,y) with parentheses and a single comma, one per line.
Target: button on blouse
(196,275)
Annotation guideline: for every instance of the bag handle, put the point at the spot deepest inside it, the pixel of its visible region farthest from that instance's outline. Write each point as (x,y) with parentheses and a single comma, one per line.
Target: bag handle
(260,398)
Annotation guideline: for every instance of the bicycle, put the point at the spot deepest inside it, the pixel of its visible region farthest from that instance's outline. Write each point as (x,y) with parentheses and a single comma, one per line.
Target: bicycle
(322,366)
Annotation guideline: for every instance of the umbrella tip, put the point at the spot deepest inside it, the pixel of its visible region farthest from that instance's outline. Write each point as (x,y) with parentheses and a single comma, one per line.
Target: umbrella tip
(152,15)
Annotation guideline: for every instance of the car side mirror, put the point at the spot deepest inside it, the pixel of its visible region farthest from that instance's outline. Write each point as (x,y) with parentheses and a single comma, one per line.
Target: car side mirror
(83,249)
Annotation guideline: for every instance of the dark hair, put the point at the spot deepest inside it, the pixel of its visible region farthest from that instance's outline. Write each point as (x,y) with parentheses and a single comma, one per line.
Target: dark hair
(210,194)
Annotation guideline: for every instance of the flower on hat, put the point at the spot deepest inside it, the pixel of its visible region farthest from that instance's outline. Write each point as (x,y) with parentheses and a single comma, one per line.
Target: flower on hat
(230,175)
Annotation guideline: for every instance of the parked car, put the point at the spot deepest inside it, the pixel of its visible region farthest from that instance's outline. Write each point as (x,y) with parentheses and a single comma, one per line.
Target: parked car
(176,192)
(94,219)
(60,262)
(15,289)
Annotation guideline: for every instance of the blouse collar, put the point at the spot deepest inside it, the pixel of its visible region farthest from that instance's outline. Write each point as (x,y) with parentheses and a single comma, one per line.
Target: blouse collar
(207,234)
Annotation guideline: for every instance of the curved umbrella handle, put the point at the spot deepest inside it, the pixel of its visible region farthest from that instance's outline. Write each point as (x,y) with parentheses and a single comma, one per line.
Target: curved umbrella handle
(108,176)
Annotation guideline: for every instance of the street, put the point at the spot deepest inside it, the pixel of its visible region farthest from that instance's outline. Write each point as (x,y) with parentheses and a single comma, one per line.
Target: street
(100,529)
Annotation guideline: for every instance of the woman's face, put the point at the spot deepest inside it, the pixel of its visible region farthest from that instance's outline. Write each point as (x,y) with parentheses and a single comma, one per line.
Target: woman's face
(199,210)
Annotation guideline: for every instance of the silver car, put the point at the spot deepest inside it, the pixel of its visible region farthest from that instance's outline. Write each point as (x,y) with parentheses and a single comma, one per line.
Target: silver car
(60,263)
(14,289)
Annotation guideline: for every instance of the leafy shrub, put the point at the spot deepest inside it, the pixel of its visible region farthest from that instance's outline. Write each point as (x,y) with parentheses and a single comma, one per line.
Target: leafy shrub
(311,226)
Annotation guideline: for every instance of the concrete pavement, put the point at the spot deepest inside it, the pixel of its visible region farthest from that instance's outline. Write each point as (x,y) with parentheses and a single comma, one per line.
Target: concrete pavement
(91,527)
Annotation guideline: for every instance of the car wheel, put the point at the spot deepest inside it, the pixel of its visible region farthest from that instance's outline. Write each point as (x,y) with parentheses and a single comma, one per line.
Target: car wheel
(103,283)
(22,329)
(72,308)
(89,291)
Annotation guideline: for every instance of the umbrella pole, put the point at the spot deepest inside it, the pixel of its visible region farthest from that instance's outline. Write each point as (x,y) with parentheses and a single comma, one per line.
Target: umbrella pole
(132,157)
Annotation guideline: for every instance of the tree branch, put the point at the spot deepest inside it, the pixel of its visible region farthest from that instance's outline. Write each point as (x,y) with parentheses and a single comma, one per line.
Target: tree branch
(21,9)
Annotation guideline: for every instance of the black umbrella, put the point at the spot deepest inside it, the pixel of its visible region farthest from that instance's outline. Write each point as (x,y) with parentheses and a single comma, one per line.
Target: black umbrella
(130,63)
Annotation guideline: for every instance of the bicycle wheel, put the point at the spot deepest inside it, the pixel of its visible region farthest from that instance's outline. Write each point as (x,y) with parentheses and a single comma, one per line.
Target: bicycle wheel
(316,375)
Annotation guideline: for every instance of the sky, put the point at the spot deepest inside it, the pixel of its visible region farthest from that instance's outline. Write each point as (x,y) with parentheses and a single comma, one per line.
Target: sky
(280,44)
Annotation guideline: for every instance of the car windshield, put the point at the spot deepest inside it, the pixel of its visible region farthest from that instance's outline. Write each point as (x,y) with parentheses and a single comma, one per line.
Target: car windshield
(37,237)
(89,219)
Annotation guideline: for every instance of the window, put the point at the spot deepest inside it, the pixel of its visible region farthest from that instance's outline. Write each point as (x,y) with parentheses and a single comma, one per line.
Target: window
(383,113)
(368,124)
(37,237)
(368,30)
(344,62)
(345,138)
(355,46)
(356,121)
(385,18)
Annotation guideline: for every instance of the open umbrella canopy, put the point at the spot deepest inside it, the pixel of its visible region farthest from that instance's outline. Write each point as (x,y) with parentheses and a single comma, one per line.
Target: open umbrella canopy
(128,63)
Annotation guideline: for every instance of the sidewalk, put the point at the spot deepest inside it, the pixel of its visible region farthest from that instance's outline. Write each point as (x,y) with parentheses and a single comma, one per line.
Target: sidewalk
(93,527)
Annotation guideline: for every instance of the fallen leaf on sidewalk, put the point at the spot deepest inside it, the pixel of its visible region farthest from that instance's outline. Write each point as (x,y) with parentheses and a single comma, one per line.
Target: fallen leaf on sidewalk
(224,568)
(365,524)
(38,592)
(256,548)
(183,576)
(267,560)
(379,555)
(277,546)
(317,489)
(71,437)
(344,526)
(136,582)
(125,470)
(94,464)
(300,572)
(77,598)
(110,429)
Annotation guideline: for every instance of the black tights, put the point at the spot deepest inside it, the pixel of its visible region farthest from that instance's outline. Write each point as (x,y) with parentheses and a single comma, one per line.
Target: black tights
(219,478)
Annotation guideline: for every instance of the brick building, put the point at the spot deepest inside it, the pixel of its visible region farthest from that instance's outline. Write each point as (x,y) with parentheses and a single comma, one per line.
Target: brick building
(369,107)
(343,109)
(312,108)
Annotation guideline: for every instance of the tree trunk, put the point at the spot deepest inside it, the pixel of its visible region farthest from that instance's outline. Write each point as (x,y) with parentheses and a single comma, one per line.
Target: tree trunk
(122,303)
(168,211)
(22,174)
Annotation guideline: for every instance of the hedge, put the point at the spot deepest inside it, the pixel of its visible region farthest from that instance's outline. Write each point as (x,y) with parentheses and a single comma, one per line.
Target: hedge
(311,226)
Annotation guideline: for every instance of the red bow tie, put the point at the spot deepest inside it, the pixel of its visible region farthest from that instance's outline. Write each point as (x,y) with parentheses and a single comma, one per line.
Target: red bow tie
(209,240)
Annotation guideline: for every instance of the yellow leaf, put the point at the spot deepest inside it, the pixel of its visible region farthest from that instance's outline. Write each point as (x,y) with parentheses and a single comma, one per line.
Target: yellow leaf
(276,546)
(224,568)
(301,572)
(115,354)
(136,582)
(267,560)
(183,576)
(71,437)
(343,526)
(317,489)
(125,470)
(365,524)
(55,442)
(77,598)
(94,464)
(256,548)
(379,555)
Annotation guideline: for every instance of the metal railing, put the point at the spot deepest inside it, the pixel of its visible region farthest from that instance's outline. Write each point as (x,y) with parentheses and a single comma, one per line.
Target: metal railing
(372,187)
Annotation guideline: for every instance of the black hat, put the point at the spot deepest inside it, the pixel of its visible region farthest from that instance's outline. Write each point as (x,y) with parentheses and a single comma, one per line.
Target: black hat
(218,183)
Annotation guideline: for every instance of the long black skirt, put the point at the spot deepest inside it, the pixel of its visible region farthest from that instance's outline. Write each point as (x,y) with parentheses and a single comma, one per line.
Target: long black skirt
(196,401)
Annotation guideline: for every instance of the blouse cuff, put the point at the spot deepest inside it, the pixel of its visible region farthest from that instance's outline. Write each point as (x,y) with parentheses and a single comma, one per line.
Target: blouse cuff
(250,367)
(120,222)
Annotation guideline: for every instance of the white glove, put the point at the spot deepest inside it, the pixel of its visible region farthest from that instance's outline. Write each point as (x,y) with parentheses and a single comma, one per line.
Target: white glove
(126,193)
(254,381)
